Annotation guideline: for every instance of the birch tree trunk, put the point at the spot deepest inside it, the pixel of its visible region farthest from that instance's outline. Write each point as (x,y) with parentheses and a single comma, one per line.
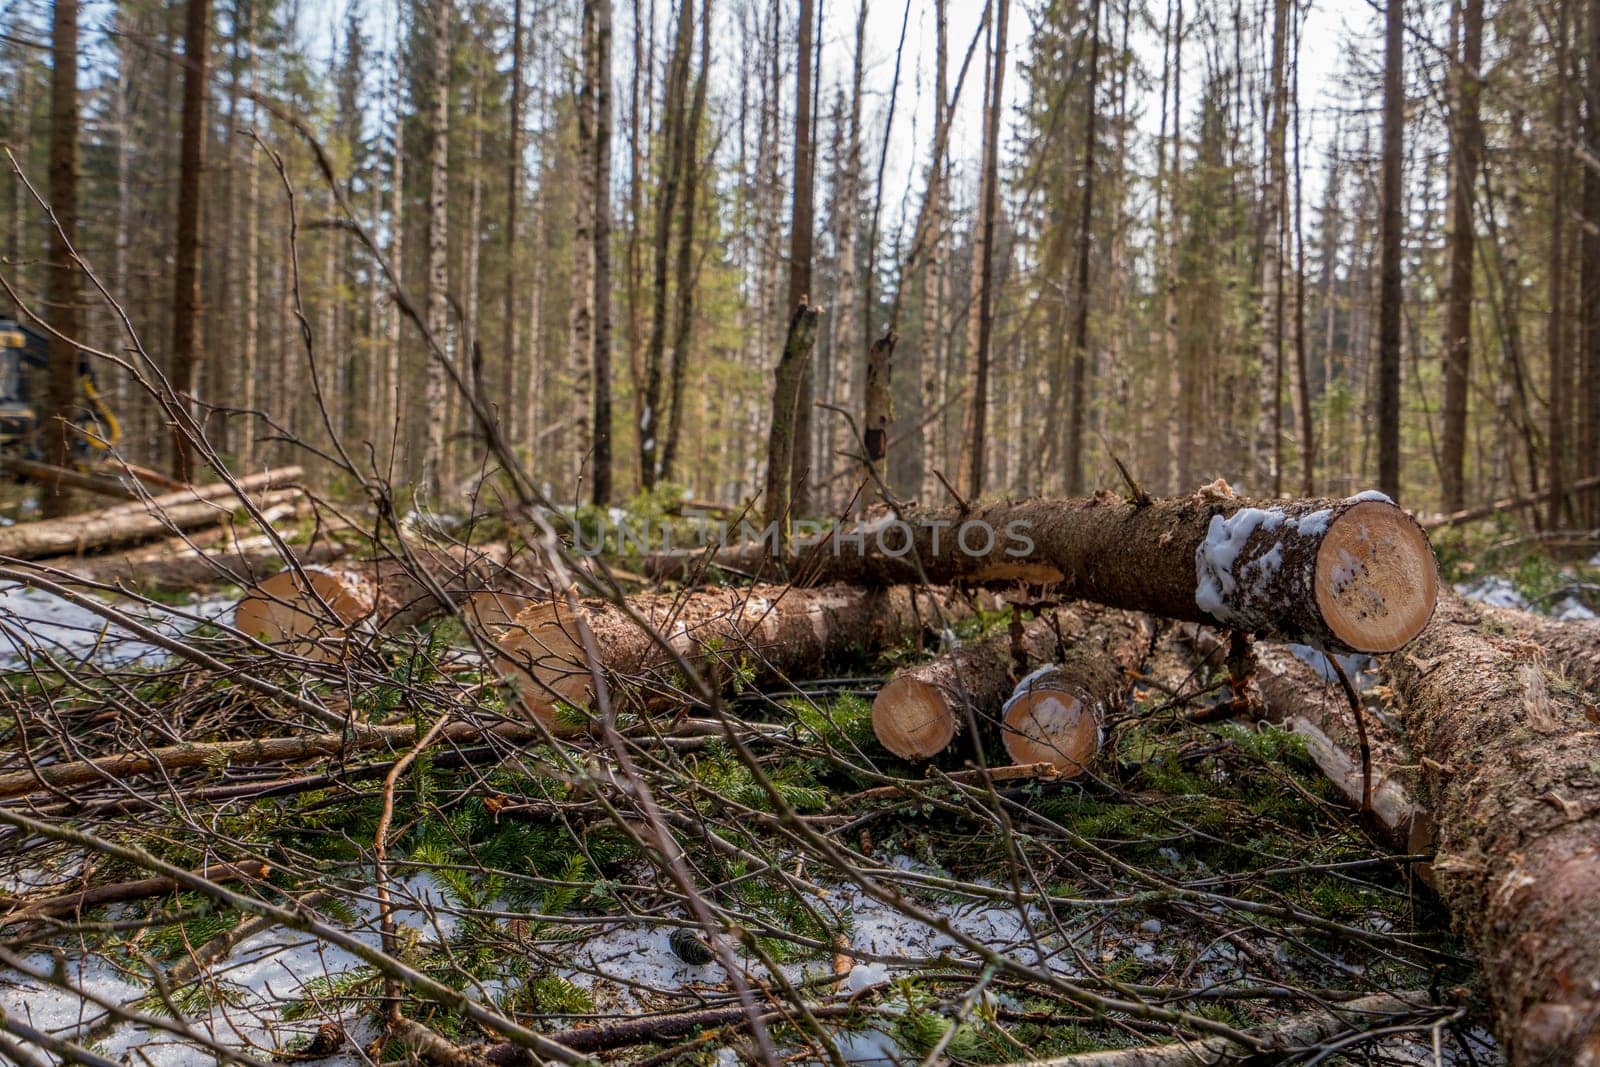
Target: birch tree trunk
(438,316)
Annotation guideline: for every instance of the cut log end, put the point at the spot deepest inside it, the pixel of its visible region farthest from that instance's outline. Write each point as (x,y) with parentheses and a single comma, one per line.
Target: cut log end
(913,718)
(1376,579)
(1050,724)
(541,653)
(289,612)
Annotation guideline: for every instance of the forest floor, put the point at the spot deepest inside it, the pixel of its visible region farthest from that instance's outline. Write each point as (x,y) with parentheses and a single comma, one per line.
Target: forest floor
(510,881)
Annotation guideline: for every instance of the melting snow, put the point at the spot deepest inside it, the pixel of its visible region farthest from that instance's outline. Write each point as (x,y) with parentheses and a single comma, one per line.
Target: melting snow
(45,623)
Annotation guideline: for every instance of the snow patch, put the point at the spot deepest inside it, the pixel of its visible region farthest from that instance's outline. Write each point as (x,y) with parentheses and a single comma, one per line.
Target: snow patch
(1494,590)
(33,621)
(1216,584)
(1372,494)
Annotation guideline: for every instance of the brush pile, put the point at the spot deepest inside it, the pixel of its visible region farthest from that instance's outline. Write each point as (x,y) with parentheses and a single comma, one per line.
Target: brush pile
(1168,781)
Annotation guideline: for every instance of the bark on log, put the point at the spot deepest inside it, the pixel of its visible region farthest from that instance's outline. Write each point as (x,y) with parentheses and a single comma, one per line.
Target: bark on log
(765,631)
(1572,646)
(314,615)
(1511,780)
(136,521)
(51,476)
(1296,697)
(1057,714)
(1355,574)
(180,568)
(919,712)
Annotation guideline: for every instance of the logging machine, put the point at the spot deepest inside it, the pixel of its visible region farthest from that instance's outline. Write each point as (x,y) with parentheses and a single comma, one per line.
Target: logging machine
(24,362)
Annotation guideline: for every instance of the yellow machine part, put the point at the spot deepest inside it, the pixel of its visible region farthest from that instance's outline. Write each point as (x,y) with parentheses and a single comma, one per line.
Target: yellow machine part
(103,413)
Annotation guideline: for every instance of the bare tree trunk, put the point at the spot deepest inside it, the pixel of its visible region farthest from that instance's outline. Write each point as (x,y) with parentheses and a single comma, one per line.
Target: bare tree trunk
(394,393)
(22,136)
(510,332)
(1302,361)
(187,346)
(801,246)
(602,253)
(1267,444)
(983,265)
(1078,384)
(1589,435)
(846,199)
(438,316)
(672,121)
(1393,225)
(1180,433)
(785,397)
(63,284)
(934,312)
(1466,137)
(686,262)
(1556,283)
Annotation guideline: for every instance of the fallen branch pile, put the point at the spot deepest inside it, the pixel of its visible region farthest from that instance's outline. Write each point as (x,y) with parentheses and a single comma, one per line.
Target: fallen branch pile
(657,822)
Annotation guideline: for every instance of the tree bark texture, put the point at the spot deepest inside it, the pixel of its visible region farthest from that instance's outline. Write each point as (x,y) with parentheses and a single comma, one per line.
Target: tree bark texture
(1350,574)
(1510,779)
(762,634)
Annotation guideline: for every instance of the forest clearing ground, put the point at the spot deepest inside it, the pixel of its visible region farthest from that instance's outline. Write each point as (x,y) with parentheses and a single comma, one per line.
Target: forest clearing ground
(1206,866)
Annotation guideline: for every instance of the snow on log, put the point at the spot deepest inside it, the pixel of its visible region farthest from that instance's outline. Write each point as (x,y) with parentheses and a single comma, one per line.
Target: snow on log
(1355,574)
(143,520)
(312,614)
(1511,777)
(1302,698)
(921,709)
(763,632)
(1057,714)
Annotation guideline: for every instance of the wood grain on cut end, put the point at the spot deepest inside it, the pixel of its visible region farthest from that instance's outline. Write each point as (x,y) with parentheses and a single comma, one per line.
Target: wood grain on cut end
(1050,724)
(913,719)
(1376,579)
(294,612)
(540,649)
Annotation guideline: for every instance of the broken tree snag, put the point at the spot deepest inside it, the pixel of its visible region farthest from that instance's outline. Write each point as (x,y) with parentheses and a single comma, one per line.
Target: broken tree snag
(1573,646)
(1354,574)
(1510,777)
(879,397)
(314,614)
(785,401)
(1057,714)
(144,520)
(919,712)
(762,633)
(1306,699)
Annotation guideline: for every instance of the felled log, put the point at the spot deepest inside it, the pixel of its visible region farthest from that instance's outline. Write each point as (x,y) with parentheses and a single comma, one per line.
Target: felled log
(1295,696)
(1278,1043)
(919,711)
(313,613)
(1355,574)
(1510,503)
(1572,646)
(130,523)
(762,633)
(1057,714)
(1510,776)
(52,476)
